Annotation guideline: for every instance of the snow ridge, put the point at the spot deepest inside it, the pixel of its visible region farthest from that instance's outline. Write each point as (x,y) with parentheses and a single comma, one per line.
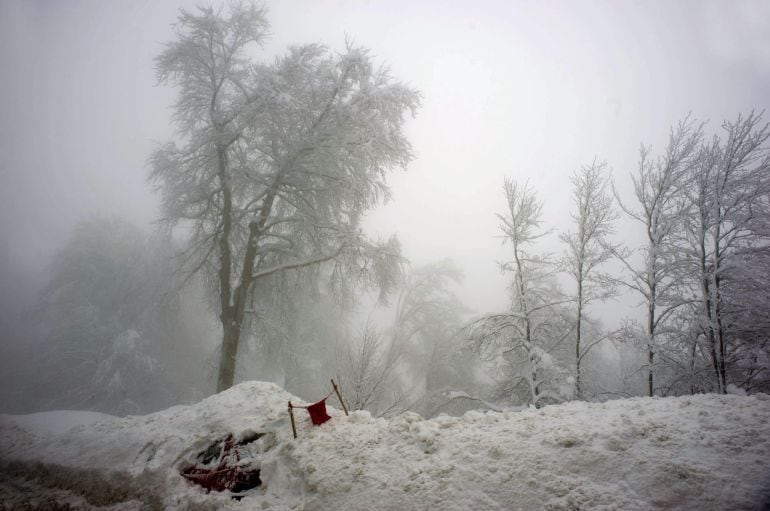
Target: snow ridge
(694,452)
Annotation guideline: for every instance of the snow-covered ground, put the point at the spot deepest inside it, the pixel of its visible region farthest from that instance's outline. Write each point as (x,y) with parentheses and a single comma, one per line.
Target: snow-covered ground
(697,452)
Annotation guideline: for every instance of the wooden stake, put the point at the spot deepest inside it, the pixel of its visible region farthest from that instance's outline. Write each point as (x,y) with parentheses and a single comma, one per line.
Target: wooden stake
(340,397)
(291,416)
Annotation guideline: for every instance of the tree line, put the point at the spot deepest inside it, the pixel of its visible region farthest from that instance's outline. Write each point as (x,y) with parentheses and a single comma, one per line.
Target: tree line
(278,163)
(703,206)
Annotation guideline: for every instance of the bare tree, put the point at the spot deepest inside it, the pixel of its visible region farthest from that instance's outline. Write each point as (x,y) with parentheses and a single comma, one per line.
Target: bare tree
(277,162)
(427,317)
(366,372)
(658,189)
(415,353)
(588,249)
(425,298)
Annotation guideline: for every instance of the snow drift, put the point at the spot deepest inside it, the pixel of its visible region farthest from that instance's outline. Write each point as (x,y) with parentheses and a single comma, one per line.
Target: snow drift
(695,452)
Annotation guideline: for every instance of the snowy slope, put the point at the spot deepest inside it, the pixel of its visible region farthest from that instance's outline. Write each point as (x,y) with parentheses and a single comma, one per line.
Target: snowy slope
(698,452)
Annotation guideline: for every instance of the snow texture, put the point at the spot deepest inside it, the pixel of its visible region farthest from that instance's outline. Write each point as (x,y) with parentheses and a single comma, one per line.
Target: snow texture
(55,423)
(695,452)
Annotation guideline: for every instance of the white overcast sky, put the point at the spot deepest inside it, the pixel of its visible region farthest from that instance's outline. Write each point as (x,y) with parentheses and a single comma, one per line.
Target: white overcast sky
(530,90)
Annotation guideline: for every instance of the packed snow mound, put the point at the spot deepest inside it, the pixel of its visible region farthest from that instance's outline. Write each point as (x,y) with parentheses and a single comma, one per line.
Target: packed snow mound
(696,452)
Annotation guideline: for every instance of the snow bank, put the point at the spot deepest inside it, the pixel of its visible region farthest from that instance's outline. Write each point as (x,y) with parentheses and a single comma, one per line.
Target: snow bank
(698,452)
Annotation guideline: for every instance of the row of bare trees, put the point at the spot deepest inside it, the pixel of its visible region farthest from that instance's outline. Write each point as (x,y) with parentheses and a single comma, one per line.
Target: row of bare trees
(704,209)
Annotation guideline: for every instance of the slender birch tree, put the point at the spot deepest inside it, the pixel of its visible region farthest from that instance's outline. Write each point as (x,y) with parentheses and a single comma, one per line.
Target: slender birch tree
(588,249)
(522,340)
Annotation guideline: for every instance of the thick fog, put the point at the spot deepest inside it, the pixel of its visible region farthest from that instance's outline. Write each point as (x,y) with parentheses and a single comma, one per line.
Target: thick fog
(525,91)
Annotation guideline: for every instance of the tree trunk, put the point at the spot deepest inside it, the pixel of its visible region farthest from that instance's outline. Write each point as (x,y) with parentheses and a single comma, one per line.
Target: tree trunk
(692,365)
(534,384)
(233,315)
(650,351)
(707,312)
(720,339)
(650,385)
(232,321)
(231,336)
(578,389)
(718,327)
(230,329)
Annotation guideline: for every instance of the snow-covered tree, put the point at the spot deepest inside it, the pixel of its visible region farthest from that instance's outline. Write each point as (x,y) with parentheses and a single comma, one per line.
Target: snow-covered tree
(726,242)
(275,163)
(108,316)
(523,342)
(658,188)
(126,376)
(587,250)
(748,299)
(427,318)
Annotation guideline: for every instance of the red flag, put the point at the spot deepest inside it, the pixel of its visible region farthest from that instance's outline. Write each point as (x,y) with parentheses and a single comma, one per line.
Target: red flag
(318,413)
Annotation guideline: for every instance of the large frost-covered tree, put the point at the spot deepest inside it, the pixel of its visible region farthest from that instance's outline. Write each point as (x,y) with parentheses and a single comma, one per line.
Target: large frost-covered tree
(275,164)
(588,249)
